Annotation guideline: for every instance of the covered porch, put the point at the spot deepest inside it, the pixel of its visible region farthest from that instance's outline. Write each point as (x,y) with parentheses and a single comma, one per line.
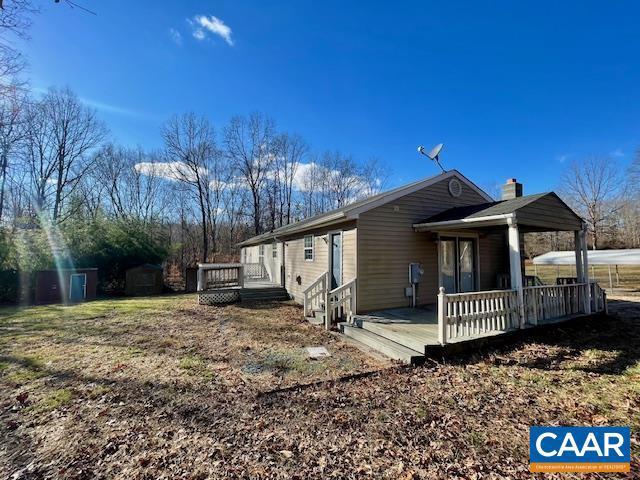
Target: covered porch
(463,312)
(520,303)
(418,328)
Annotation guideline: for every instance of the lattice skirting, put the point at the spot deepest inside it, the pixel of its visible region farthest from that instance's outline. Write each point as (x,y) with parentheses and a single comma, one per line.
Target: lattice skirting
(218,297)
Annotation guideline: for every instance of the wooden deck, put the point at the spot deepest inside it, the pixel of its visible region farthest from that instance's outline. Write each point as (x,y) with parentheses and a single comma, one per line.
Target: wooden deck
(220,283)
(468,320)
(415,328)
(412,327)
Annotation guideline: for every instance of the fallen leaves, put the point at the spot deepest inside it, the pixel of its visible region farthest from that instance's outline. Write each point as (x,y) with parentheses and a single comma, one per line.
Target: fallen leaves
(185,406)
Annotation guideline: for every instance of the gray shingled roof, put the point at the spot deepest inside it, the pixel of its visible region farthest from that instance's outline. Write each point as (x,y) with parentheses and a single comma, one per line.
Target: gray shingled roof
(479,210)
(340,214)
(343,213)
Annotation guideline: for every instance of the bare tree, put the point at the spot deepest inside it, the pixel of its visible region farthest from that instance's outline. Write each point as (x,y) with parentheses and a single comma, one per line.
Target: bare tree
(334,180)
(630,211)
(132,193)
(291,151)
(190,144)
(248,143)
(15,22)
(593,186)
(342,180)
(633,176)
(11,134)
(373,177)
(60,137)
(234,206)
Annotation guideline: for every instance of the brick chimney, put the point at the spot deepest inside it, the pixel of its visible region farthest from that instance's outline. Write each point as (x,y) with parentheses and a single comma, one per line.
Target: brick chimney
(511,189)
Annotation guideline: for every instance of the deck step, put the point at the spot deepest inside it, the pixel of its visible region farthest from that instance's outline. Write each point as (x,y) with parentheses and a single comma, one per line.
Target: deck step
(386,330)
(265,297)
(267,293)
(383,345)
(263,289)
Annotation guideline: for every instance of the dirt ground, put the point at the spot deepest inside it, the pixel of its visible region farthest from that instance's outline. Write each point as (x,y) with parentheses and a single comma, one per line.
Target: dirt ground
(160,388)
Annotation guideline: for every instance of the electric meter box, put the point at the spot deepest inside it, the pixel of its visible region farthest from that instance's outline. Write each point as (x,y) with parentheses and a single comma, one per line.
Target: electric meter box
(415,273)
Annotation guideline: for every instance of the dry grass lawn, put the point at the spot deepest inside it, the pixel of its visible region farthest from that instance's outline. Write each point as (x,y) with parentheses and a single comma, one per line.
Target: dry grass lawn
(163,388)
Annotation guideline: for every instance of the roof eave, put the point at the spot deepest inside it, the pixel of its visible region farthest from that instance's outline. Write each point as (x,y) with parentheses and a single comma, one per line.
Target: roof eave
(285,232)
(487,221)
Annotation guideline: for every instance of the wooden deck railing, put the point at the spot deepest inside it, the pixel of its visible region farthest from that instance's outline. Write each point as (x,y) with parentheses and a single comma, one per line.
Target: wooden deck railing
(342,303)
(220,275)
(314,296)
(255,272)
(598,298)
(468,315)
(336,303)
(476,313)
(553,301)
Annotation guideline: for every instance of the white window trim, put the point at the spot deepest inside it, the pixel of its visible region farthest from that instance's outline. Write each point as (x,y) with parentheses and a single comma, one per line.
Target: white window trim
(305,248)
(274,250)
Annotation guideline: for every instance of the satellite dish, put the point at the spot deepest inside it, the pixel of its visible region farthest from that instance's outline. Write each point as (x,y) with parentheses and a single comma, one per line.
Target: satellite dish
(433,154)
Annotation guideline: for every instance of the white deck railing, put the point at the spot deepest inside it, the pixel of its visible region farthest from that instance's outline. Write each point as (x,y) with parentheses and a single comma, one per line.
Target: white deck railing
(547,302)
(469,315)
(314,296)
(255,272)
(598,298)
(337,303)
(220,275)
(342,302)
(476,313)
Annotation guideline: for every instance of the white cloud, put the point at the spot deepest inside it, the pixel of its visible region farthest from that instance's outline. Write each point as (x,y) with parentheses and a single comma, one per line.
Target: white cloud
(303,175)
(176,36)
(234,183)
(203,25)
(617,153)
(563,157)
(306,171)
(199,34)
(170,170)
(105,107)
(110,108)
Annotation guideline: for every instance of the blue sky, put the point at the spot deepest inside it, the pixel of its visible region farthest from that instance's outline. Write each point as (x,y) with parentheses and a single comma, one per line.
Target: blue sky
(512,88)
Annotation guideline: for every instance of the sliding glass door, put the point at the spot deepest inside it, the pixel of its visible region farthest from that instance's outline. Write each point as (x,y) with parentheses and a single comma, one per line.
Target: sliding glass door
(458,264)
(448,265)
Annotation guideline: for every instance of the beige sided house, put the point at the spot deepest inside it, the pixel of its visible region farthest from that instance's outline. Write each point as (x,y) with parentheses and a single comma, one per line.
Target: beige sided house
(441,245)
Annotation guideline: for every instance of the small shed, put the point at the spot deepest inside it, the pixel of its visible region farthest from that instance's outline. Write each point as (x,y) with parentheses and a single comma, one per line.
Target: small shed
(144,279)
(66,285)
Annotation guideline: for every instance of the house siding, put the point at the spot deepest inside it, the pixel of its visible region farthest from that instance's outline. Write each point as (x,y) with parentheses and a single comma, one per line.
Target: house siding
(549,213)
(494,258)
(387,243)
(308,271)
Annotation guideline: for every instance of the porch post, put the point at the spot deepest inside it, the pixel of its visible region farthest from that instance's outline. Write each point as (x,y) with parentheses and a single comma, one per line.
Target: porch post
(585,269)
(328,311)
(442,317)
(241,276)
(201,283)
(516,266)
(577,245)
